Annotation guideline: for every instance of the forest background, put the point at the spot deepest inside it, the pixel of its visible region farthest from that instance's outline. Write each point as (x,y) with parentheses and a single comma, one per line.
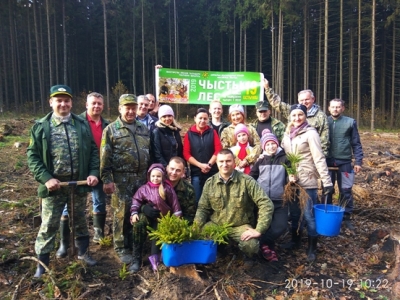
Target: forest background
(339,49)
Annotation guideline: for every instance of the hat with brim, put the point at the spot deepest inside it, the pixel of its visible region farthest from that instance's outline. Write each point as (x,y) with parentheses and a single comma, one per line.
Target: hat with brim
(60,90)
(262,106)
(127,99)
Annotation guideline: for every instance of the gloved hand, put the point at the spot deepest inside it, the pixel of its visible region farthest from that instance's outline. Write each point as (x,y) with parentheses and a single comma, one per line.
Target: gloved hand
(328,190)
(150,212)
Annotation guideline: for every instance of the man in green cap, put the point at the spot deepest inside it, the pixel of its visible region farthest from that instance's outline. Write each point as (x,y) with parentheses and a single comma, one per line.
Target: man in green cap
(124,160)
(61,149)
(265,121)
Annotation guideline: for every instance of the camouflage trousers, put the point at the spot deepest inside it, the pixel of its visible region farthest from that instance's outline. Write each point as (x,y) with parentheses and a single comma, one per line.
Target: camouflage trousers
(121,200)
(52,208)
(249,247)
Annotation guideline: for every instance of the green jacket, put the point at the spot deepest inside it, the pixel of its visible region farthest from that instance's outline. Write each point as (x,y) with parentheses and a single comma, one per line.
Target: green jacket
(234,202)
(39,158)
(278,128)
(104,122)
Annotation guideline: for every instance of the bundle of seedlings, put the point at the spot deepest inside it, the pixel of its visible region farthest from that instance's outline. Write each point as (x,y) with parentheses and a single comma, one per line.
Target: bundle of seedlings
(174,230)
(294,192)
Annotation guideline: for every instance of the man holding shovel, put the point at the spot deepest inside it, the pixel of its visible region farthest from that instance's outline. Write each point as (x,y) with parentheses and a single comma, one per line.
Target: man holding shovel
(62,149)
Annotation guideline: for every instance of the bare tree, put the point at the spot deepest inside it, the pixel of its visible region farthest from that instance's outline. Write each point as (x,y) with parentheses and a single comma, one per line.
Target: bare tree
(373,65)
(104,2)
(325,96)
(49,42)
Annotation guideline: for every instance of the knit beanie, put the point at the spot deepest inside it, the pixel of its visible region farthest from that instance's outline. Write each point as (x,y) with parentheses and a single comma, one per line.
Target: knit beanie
(299,106)
(236,107)
(239,128)
(268,136)
(165,110)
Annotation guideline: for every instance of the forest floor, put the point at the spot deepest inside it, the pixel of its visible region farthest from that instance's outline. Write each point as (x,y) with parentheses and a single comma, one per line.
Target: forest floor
(352,265)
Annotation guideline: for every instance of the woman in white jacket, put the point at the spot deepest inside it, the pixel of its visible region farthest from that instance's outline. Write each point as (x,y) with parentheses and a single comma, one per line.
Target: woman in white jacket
(303,139)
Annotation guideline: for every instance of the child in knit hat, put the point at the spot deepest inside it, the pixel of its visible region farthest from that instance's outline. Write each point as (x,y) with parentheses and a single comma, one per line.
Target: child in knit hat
(272,177)
(242,147)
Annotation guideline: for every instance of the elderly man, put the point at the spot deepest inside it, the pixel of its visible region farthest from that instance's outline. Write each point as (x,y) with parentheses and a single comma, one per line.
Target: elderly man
(265,121)
(345,142)
(315,116)
(94,108)
(142,114)
(153,105)
(124,160)
(231,197)
(61,149)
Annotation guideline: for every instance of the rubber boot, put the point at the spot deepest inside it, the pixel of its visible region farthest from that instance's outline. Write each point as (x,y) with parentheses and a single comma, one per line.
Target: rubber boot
(136,258)
(154,261)
(295,243)
(82,243)
(64,239)
(99,220)
(312,248)
(44,258)
(347,222)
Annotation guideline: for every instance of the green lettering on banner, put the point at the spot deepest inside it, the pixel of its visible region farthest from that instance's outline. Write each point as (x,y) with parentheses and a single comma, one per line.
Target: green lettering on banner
(201,87)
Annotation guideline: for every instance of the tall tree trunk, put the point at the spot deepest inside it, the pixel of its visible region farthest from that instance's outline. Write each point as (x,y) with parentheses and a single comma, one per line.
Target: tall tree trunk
(373,65)
(382,83)
(14,69)
(65,77)
(319,64)
(341,52)
(5,76)
(209,52)
(176,34)
(32,76)
(280,54)
(325,96)
(143,52)
(351,74)
(359,64)
(106,57)
(240,44)
(57,77)
(234,43)
(273,52)
(133,48)
(244,49)
(117,50)
(260,56)
(392,97)
(306,53)
(49,42)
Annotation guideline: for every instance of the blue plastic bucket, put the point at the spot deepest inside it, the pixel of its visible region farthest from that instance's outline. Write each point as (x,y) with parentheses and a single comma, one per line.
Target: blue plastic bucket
(328,219)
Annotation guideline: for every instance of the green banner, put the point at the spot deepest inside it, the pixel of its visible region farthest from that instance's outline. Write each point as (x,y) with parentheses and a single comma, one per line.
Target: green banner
(201,87)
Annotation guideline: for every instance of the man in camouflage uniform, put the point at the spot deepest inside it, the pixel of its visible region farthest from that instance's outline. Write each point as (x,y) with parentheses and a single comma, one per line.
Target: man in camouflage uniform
(230,197)
(315,116)
(265,121)
(62,149)
(124,160)
(94,108)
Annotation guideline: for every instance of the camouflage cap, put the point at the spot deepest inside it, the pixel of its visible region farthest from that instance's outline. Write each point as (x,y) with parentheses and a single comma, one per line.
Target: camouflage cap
(60,90)
(262,105)
(127,99)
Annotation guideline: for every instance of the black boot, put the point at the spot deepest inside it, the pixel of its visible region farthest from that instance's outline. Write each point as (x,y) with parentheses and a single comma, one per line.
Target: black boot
(295,243)
(312,248)
(64,238)
(99,220)
(136,258)
(82,243)
(44,258)
(347,222)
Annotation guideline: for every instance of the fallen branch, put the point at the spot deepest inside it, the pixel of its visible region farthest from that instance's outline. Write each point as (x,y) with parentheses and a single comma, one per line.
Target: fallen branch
(216,294)
(373,210)
(143,279)
(43,265)
(207,289)
(144,291)
(274,283)
(15,295)
(387,195)
(228,266)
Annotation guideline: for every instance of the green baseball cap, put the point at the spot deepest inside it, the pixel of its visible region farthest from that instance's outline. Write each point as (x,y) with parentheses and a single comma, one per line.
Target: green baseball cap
(127,99)
(60,90)
(262,106)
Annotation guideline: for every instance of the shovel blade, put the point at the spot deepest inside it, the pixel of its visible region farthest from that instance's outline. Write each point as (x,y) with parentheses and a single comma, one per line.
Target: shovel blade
(37,221)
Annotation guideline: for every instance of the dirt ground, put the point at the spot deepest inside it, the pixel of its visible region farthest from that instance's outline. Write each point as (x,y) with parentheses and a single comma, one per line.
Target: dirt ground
(359,265)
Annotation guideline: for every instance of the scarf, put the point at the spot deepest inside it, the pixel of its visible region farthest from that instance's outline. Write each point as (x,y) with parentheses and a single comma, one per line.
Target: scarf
(242,155)
(295,130)
(173,126)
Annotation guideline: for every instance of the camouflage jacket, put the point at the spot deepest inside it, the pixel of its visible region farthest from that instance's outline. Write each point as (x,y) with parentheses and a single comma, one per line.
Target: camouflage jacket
(39,158)
(278,128)
(318,120)
(187,199)
(228,141)
(234,202)
(123,151)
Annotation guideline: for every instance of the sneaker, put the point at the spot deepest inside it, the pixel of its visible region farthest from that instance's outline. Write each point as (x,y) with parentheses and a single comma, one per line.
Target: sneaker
(268,254)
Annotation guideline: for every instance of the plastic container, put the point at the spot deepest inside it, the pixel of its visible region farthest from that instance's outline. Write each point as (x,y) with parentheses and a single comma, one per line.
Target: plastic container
(328,219)
(191,252)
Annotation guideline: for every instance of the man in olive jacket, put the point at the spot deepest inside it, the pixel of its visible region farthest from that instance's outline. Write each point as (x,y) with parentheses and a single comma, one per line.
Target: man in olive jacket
(62,149)
(230,197)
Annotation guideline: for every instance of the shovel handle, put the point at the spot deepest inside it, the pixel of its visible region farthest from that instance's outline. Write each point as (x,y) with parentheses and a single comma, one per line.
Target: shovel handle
(333,168)
(68,183)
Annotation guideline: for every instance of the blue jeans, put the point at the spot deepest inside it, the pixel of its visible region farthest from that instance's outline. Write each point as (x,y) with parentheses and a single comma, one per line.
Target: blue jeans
(98,198)
(308,215)
(198,187)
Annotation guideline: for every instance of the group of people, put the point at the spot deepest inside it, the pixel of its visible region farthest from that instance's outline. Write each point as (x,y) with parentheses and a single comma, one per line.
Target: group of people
(236,171)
